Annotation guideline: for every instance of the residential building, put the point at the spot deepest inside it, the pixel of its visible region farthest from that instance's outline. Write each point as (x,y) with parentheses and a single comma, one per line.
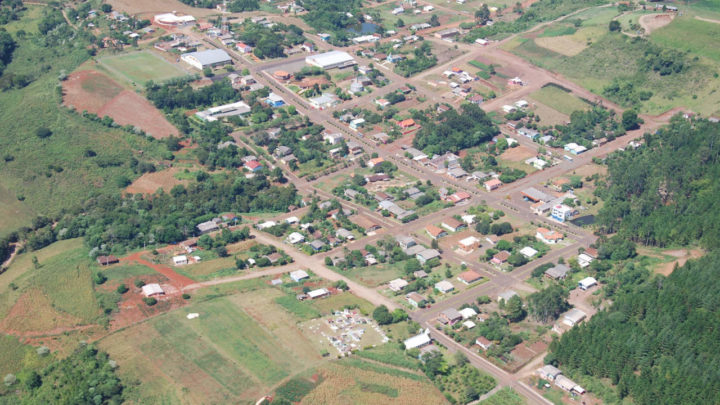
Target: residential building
(317,245)
(586,283)
(549,372)
(427,255)
(452,224)
(562,212)
(435,232)
(326,100)
(450,316)
(418,341)
(447,34)
(469,244)
(375,161)
(528,252)
(332,138)
(273,100)
(415,299)
(467,313)
(535,195)
(483,342)
(458,197)
(180,260)
(493,184)
(299,275)
(253,166)
(469,277)
(152,290)
(506,295)
(107,260)
(558,272)
(584,260)
(397,285)
(319,293)
(405,241)
(573,317)
(548,236)
(207,227)
(295,238)
(444,286)
(500,257)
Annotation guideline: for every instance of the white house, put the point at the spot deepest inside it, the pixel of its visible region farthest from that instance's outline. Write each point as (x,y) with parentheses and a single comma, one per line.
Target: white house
(586,283)
(319,293)
(397,284)
(418,341)
(153,289)
(298,275)
(562,212)
(295,238)
(444,286)
(528,252)
(467,313)
(180,260)
(584,260)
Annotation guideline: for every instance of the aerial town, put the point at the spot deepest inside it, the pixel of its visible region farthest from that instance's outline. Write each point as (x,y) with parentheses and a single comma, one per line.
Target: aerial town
(370,201)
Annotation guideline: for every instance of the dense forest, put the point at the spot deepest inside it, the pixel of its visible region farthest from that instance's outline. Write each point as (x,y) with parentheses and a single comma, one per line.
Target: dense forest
(453,131)
(331,16)
(659,342)
(666,192)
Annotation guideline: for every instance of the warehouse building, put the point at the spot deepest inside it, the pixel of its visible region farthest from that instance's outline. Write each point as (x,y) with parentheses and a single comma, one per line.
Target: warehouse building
(210,58)
(331,60)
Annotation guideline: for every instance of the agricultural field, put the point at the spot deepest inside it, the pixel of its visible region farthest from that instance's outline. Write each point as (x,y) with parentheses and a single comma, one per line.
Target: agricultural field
(140,67)
(236,350)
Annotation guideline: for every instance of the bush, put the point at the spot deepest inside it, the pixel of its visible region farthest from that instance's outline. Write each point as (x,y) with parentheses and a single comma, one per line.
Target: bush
(149,301)
(43,132)
(186,296)
(139,283)
(122,289)
(99,278)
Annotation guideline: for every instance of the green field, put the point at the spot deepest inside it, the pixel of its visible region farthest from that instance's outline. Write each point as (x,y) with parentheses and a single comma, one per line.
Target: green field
(121,272)
(374,276)
(239,347)
(506,396)
(686,33)
(140,67)
(559,99)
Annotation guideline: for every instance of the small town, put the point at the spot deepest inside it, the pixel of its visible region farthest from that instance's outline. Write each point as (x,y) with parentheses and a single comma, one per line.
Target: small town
(371,201)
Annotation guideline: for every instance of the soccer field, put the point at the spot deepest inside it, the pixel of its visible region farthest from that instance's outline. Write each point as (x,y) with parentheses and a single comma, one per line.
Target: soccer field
(139,67)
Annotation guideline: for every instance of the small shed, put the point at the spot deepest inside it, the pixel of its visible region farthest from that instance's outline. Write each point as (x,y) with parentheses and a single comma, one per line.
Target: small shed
(152,290)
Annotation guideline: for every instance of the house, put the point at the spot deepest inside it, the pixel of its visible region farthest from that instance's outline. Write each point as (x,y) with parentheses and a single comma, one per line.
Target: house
(344,234)
(377,177)
(107,260)
(331,60)
(427,255)
(382,102)
(273,100)
(506,295)
(483,342)
(207,59)
(319,293)
(528,132)
(381,137)
(584,260)
(573,317)
(476,99)
(180,260)
(243,47)
(332,138)
(592,252)
(452,224)
(568,385)
(415,154)
(253,166)
(450,315)
(435,232)
(457,172)
(282,150)
(469,244)
(398,10)
(397,284)
(375,161)
(574,148)
(420,26)
(458,197)
(207,227)
(534,195)
(558,272)
(298,275)
(447,34)
(405,241)
(528,252)
(468,218)
(500,257)
(395,58)
(469,277)
(420,274)
(444,286)
(326,100)
(586,283)
(493,184)
(152,290)
(354,148)
(407,123)
(295,238)
(549,372)
(273,257)
(482,41)
(357,123)
(266,225)
(548,236)
(467,313)
(317,245)
(418,341)
(282,75)
(415,299)
(562,212)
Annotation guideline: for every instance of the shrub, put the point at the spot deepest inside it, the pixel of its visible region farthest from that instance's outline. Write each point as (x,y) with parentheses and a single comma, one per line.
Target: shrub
(149,301)
(122,289)
(43,132)
(99,278)
(186,296)
(139,283)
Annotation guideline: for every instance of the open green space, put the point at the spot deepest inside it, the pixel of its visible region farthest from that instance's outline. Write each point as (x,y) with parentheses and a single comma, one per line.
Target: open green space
(140,67)
(559,99)
(125,271)
(506,396)
(689,34)
(375,275)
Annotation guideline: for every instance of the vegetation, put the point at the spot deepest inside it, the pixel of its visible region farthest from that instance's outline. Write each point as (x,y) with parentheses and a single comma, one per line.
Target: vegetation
(270,42)
(422,59)
(453,131)
(235,6)
(547,305)
(655,343)
(332,17)
(664,192)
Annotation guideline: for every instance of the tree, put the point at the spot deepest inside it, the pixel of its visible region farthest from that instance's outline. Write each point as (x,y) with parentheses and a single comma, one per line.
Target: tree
(434,20)
(382,315)
(399,23)
(630,120)
(122,289)
(106,8)
(614,25)
(547,305)
(43,132)
(33,380)
(514,309)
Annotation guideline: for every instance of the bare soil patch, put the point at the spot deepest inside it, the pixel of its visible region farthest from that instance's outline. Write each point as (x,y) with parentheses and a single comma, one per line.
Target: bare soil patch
(92,91)
(518,154)
(33,313)
(149,183)
(682,256)
(651,22)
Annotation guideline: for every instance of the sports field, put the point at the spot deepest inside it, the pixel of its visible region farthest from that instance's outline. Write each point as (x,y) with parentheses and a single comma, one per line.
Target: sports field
(139,67)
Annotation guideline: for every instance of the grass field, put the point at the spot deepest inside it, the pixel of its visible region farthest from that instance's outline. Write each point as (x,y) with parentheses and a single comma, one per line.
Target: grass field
(139,67)
(239,347)
(559,99)
(695,36)
(506,396)
(122,272)
(374,276)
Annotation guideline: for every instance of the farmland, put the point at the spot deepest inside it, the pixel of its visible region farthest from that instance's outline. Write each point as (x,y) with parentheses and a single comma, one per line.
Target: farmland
(140,67)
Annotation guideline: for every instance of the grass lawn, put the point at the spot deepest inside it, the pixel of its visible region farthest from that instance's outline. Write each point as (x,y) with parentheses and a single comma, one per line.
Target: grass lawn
(560,100)
(208,270)
(374,276)
(122,271)
(139,67)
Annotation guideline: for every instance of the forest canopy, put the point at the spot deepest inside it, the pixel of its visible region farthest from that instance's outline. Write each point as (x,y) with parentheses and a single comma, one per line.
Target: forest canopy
(453,131)
(666,192)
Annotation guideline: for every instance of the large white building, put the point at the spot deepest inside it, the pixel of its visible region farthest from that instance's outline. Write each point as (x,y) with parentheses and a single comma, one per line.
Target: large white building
(227,110)
(174,20)
(331,60)
(210,58)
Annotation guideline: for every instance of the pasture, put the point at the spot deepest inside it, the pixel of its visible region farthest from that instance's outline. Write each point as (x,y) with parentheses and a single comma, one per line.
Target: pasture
(374,276)
(140,67)
(559,99)
(236,350)
(689,34)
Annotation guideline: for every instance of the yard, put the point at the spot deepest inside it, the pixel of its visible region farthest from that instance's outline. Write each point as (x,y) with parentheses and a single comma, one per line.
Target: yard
(140,67)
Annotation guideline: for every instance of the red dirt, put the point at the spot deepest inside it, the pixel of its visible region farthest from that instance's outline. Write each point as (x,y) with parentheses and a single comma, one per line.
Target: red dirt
(149,183)
(96,93)
(177,280)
